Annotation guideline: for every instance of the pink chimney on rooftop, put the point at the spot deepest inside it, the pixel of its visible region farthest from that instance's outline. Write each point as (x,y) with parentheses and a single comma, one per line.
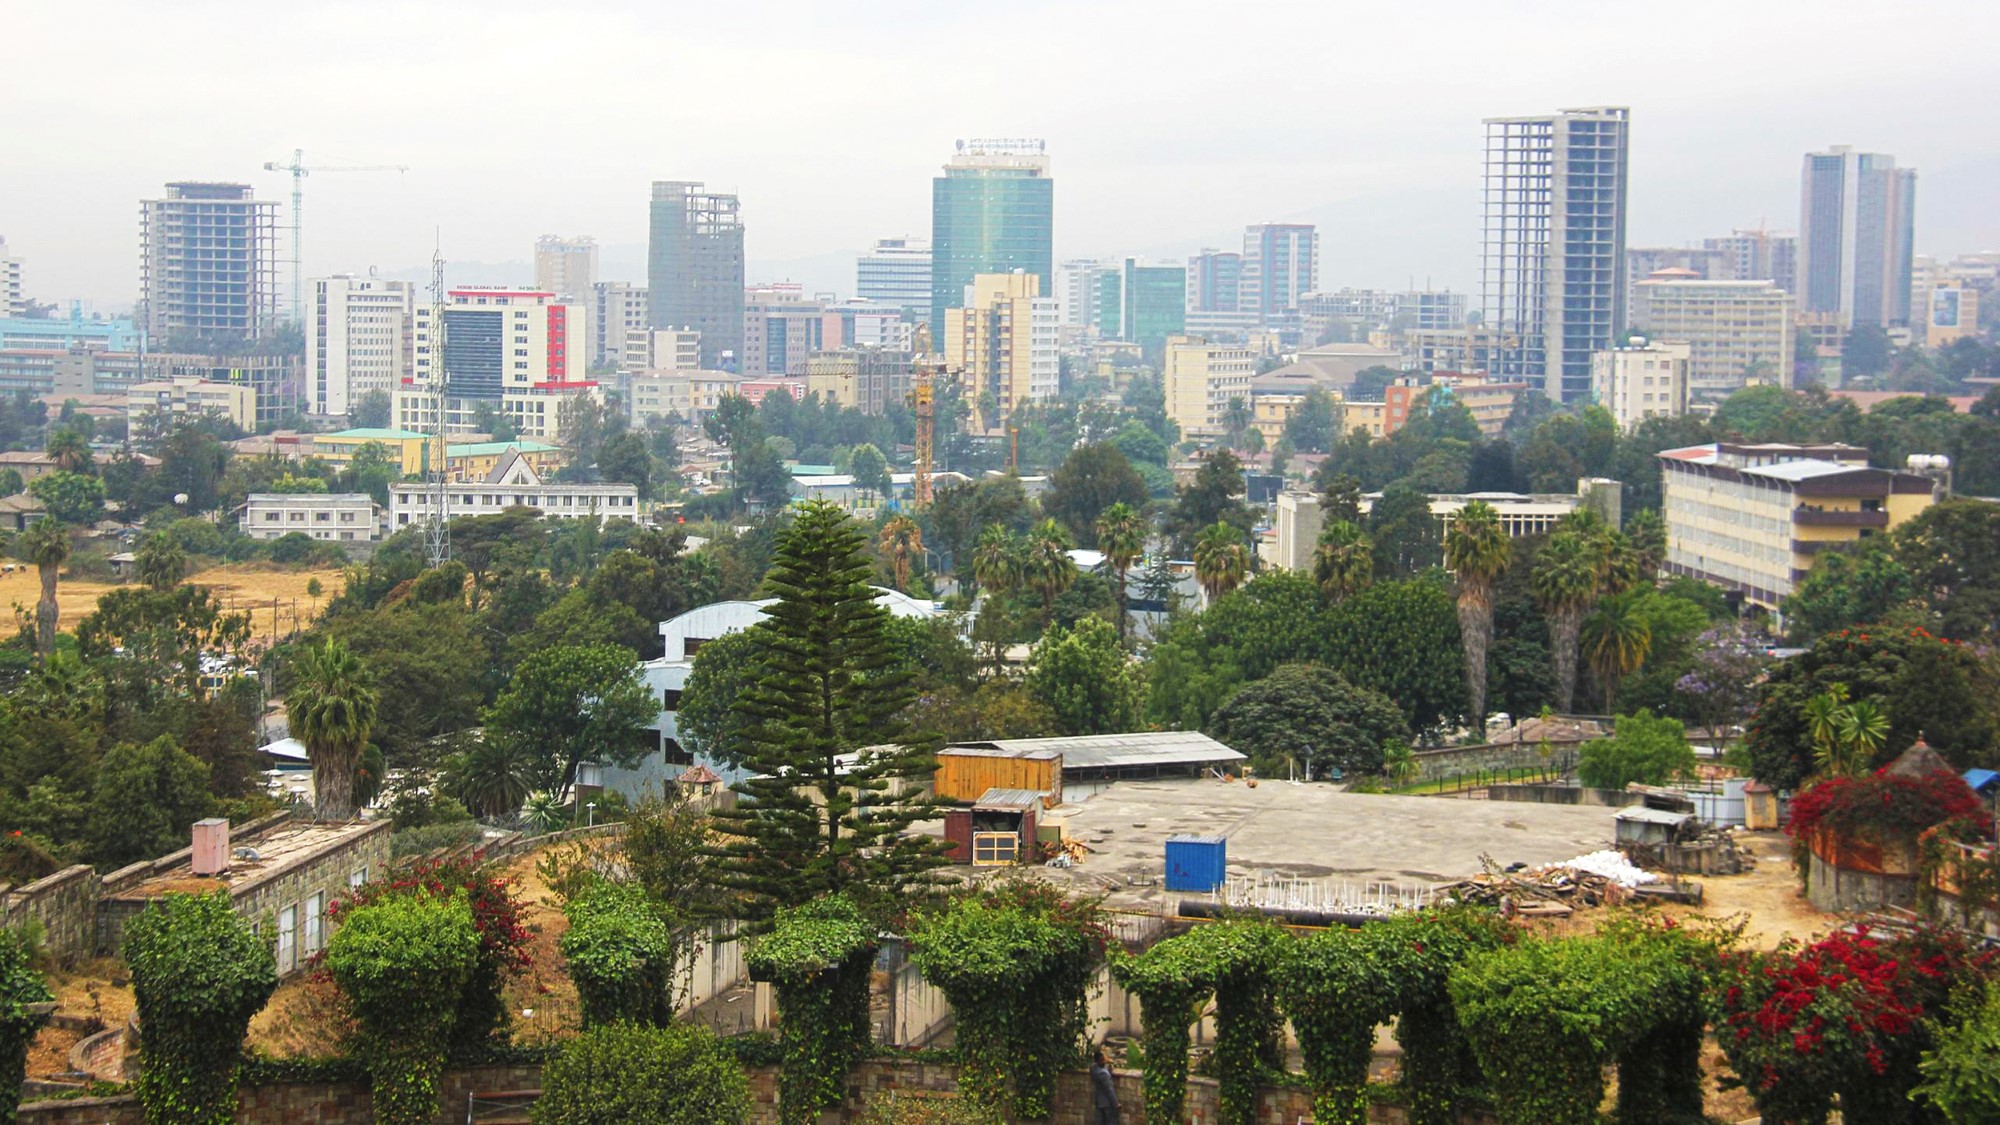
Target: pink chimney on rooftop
(211,846)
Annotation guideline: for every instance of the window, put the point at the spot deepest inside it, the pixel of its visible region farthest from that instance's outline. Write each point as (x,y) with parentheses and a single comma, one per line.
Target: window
(315,922)
(359,876)
(288,938)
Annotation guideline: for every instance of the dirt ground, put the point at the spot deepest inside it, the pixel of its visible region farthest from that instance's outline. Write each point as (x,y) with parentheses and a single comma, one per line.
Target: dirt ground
(86,991)
(241,586)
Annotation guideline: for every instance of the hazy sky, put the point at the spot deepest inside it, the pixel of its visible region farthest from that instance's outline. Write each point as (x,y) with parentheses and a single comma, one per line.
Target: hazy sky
(1169,124)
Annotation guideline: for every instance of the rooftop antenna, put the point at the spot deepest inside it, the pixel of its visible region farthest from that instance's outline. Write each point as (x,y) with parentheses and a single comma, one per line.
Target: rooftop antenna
(437,529)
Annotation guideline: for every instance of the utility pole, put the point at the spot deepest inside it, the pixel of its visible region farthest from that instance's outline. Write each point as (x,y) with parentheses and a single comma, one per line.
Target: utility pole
(437,529)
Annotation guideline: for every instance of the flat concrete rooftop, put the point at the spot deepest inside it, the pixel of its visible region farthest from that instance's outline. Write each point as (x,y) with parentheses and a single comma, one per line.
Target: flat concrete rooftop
(1312,831)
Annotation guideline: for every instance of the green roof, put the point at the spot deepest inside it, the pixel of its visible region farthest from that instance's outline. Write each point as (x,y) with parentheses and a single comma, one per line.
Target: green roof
(487,448)
(372,435)
(799,470)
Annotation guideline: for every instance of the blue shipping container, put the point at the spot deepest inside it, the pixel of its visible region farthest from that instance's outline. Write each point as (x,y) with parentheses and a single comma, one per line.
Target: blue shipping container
(1196,863)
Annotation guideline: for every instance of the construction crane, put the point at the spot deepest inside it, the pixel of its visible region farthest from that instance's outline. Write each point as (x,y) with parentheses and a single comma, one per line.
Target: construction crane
(923,400)
(300,170)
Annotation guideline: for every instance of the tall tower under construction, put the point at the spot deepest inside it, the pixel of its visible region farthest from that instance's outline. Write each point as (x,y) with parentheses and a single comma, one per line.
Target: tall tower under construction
(208,264)
(694,268)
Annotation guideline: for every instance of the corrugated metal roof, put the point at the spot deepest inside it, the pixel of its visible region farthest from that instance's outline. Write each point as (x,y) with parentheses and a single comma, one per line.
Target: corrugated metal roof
(1009,799)
(985,750)
(1802,470)
(1111,751)
(1653,816)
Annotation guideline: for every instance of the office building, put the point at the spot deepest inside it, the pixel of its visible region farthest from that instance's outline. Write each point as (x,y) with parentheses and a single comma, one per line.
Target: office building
(341,517)
(513,483)
(1006,342)
(617,309)
(658,396)
(357,340)
(660,349)
(1521,515)
(73,331)
(184,396)
(694,268)
(1280,264)
(865,378)
(208,265)
(1857,221)
(1552,262)
(897,273)
(1641,379)
(1215,281)
(1642,262)
(992,212)
(782,326)
(278,381)
(1081,292)
(517,352)
(1354,313)
(1738,332)
(1951,312)
(1472,349)
(566,267)
(1153,305)
(1750,518)
(13,300)
(1757,255)
(1200,380)
(867,324)
(1489,402)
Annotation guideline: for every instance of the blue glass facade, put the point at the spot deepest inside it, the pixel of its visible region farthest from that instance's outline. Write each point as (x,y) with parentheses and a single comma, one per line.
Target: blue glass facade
(990,214)
(475,352)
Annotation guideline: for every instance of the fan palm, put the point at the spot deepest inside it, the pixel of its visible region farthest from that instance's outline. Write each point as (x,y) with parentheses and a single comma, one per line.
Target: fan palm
(1121,535)
(1344,561)
(1221,561)
(45,545)
(900,541)
(1476,551)
(996,560)
(1618,639)
(1648,534)
(1565,583)
(332,704)
(161,562)
(67,450)
(493,778)
(1048,569)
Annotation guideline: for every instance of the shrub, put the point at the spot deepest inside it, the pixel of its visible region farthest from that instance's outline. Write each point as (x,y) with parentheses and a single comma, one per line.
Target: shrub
(1882,804)
(199,974)
(1643,749)
(496,914)
(621,1074)
(21,987)
(404,962)
(1236,962)
(1962,1075)
(621,956)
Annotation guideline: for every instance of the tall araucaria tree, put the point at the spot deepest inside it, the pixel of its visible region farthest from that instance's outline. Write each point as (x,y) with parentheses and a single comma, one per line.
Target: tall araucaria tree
(332,708)
(834,771)
(1476,551)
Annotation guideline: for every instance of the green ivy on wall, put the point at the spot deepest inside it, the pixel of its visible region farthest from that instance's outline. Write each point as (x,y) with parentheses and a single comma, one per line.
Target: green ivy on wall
(199,974)
(818,956)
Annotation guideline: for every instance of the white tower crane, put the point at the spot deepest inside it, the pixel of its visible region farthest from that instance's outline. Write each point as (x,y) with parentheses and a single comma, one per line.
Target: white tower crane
(300,170)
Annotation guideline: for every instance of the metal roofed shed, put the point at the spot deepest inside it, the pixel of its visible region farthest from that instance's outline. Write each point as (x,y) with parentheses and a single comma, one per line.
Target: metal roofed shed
(1650,827)
(1084,764)
(999,829)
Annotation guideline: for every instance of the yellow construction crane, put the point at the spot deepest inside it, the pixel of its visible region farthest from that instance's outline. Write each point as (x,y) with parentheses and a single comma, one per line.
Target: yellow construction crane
(300,170)
(924,403)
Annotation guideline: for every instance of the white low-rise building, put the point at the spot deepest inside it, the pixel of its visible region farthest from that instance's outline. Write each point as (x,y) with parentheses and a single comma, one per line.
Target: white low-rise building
(1641,379)
(514,484)
(340,517)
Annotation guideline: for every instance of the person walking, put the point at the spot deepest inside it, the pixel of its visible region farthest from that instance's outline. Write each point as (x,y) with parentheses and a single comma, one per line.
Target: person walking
(1103,1090)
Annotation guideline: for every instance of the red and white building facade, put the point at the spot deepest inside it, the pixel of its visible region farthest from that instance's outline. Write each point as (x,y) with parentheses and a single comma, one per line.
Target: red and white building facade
(520,352)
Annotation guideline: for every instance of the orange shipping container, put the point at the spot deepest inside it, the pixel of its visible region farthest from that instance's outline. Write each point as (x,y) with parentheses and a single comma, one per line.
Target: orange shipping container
(966,774)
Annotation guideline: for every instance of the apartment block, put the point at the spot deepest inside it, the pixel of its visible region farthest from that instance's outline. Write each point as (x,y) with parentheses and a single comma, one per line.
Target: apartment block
(868,379)
(782,327)
(516,351)
(1489,401)
(1751,518)
(659,396)
(13,300)
(1641,379)
(617,308)
(566,267)
(660,349)
(1201,378)
(340,517)
(357,340)
(170,397)
(1738,332)
(208,264)
(1006,342)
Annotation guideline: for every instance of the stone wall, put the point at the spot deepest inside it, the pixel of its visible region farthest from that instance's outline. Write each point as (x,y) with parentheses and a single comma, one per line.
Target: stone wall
(1565,795)
(1490,757)
(1841,890)
(65,904)
(317,1103)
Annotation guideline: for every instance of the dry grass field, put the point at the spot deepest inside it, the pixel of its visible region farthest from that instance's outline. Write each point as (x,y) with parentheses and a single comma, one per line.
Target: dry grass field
(241,586)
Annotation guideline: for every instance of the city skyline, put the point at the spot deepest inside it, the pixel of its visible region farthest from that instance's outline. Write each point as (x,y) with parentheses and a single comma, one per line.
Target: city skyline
(1392,185)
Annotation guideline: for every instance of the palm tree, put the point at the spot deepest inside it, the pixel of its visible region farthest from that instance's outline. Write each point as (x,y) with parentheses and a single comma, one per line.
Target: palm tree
(1048,569)
(1648,534)
(996,560)
(1618,564)
(1236,418)
(1565,583)
(1221,561)
(1618,639)
(1121,535)
(161,562)
(332,709)
(67,450)
(1344,561)
(901,540)
(493,778)
(45,545)
(1477,551)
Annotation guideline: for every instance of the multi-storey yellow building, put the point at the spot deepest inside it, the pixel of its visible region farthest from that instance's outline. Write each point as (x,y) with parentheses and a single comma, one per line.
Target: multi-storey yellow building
(1006,344)
(1750,518)
(1200,380)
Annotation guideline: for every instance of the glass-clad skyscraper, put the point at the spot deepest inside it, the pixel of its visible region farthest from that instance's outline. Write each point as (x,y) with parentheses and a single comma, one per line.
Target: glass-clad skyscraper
(1552,261)
(992,212)
(1857,222)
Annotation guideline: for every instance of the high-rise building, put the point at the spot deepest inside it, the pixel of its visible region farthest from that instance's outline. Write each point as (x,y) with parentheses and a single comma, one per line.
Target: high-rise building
(897,272)
(1080,284)
(357,340)
(694,268)
(992,212)
(782,327)
(1641,379)
(1111,303)
(1738,332)
(1006,341)
(1154,305)
(13,301)
(661,349)
(1757,255)
(517,353)
(1215,282)
(566,267)
(1552,261)
(208,264)
(1200,378)
(1280,263)
(865,378)
(617,308)
(1857,223)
